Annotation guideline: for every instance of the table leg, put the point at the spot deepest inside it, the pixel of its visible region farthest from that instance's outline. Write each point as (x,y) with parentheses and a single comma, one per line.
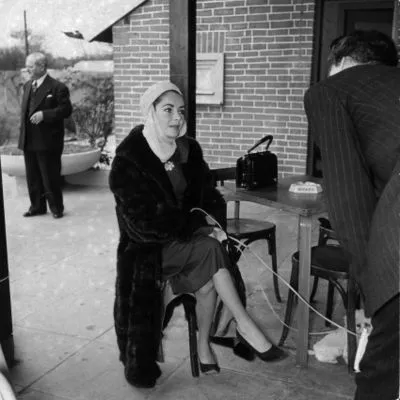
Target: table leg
(237,209)
(303,312)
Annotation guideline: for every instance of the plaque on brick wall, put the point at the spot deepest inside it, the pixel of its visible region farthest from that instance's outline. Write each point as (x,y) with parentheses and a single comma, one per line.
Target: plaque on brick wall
(210,78)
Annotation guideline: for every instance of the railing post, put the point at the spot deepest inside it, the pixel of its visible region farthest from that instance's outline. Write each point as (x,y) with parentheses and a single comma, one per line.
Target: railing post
(6,338)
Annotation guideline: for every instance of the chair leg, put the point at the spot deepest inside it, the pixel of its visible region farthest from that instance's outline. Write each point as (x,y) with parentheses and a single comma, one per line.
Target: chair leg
(352,299)
(272,251)
(349,300)
(189,305)
(289,305)
(169,310)
(329,303)
(314,288)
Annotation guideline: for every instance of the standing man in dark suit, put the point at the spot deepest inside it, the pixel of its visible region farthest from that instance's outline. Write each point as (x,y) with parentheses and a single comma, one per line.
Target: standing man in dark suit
(45,105)
(354,117)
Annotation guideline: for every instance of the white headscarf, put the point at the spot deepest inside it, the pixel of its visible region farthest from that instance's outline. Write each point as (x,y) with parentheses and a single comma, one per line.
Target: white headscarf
(159,144)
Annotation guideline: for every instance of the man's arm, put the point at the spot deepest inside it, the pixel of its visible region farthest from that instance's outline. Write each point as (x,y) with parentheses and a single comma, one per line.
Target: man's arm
(64,107)
(348,188)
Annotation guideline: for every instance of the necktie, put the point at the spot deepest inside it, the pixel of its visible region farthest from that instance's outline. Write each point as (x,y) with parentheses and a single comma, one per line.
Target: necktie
(34,86)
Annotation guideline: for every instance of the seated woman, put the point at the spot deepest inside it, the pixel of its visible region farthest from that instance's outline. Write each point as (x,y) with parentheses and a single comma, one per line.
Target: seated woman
(158,176)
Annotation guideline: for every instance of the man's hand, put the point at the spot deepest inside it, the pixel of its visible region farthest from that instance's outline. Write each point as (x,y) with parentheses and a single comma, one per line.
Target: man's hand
(37,118)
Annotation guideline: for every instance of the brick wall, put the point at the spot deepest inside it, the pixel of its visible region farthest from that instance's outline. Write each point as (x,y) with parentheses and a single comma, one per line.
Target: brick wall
(267,47)
(141,56)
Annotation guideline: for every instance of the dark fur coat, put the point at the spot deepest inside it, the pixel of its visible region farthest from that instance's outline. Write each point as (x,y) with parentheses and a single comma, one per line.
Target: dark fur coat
(148,216)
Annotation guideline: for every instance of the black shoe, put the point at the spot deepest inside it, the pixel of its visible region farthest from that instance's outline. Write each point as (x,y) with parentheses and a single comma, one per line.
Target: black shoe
(32,213)
(58,215)
(273,354)
(238,348)
(244,352)
(209,369)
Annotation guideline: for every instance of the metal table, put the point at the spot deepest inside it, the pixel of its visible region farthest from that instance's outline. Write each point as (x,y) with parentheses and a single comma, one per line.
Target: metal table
(306,206)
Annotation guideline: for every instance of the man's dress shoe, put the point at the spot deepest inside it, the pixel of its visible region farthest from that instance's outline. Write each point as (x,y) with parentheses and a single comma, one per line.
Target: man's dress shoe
(57,214)
(32,213)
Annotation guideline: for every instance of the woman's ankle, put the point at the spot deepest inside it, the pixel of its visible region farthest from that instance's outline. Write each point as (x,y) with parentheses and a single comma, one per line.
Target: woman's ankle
(206,354)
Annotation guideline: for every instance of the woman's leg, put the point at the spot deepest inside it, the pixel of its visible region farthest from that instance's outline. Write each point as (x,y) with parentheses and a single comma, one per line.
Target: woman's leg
(205,307)
(225,288)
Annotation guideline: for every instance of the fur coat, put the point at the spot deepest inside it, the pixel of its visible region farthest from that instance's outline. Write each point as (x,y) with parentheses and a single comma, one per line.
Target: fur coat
(148,216)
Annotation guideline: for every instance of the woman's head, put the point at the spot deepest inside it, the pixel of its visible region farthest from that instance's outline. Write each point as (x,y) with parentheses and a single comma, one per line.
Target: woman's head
(150,96)
(163,102)
(163,107)
(170,113)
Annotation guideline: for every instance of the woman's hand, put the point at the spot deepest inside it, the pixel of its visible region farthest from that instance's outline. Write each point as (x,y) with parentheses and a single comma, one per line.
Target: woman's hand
(218,234)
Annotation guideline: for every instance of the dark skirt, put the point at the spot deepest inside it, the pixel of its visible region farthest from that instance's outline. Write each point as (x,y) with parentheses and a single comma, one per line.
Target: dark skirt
(190,265)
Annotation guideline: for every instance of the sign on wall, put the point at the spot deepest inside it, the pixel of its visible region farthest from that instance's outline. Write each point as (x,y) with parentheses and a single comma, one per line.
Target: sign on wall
(210,78)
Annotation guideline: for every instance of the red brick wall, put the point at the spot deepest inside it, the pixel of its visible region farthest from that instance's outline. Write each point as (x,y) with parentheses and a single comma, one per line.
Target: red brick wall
(267,47)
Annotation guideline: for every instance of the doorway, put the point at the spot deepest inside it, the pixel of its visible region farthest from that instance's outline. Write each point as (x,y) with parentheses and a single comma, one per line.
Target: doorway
(335,18)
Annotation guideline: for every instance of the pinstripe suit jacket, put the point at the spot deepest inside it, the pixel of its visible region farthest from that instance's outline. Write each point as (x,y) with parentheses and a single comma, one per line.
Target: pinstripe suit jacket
(354,117)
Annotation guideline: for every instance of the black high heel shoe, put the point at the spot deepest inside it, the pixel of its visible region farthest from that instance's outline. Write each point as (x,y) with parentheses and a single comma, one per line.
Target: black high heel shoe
(243,351)
(209,369)
(273,354)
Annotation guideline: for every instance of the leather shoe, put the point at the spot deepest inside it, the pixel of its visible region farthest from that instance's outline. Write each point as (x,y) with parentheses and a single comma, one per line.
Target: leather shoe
(32,213)
(57,215)
(274,353)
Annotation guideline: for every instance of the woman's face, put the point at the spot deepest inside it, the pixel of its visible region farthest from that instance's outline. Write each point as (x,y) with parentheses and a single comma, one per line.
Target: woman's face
(170,113)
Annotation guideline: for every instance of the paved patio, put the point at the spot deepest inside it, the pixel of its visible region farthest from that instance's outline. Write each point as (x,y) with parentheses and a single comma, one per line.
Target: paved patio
(62,287)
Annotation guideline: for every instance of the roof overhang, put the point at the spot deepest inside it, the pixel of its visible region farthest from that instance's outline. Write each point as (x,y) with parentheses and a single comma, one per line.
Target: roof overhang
(109,16)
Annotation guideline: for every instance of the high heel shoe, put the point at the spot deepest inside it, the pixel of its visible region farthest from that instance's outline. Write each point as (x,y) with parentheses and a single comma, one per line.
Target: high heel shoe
(243,351)
(273,354)
(209,369)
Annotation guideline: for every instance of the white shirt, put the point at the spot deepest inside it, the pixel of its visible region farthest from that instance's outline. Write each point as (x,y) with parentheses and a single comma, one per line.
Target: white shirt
(40,80)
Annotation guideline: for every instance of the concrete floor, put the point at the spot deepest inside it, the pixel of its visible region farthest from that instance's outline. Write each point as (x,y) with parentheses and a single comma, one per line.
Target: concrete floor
(62,287)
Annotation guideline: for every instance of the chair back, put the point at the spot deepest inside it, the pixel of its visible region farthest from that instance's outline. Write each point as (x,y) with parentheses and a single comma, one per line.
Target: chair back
(220,175)
(326,232)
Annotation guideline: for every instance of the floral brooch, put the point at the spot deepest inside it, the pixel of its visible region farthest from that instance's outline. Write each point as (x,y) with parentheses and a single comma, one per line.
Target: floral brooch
(169,166)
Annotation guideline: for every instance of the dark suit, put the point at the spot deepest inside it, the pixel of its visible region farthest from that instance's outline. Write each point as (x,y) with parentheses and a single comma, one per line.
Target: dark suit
(43,143)
(354,117)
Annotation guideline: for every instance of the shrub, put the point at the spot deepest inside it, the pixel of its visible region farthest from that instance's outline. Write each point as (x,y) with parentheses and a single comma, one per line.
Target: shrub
(11,59)
(5,129)
(94,106)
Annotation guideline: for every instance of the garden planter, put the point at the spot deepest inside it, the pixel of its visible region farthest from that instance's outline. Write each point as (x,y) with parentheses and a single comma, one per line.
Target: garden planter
(71,163)
(79,162)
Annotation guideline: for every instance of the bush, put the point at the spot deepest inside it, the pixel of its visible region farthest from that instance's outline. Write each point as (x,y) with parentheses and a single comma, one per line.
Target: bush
(11,59)
(93,111)
(5,129)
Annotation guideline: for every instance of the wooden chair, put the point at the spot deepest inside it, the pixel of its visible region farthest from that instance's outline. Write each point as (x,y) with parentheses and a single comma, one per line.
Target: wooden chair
(329,262)
(188,301)
(248,230)
(326,234)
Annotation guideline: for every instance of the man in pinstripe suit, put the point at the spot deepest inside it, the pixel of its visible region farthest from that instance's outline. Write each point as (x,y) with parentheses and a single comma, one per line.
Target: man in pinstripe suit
(354,117)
